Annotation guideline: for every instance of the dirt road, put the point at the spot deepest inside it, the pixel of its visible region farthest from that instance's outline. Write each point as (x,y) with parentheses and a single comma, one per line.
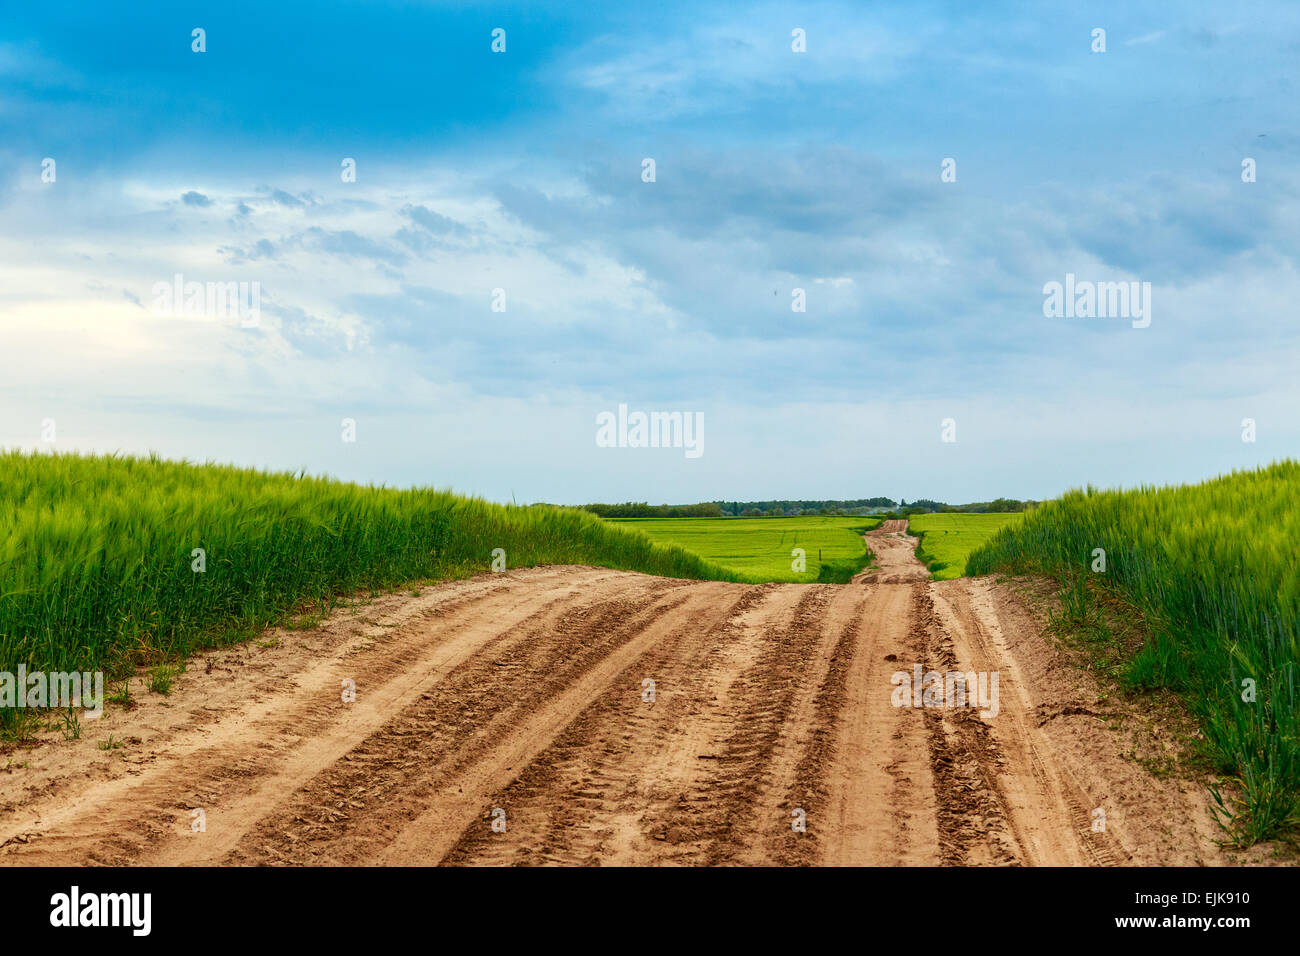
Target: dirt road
(576,715)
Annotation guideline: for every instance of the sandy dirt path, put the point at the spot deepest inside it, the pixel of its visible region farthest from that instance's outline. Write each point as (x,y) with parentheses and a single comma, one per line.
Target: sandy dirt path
(896,561)
(576,715)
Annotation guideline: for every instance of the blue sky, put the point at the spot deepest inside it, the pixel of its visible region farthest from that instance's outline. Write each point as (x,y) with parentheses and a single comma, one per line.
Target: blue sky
(775,170)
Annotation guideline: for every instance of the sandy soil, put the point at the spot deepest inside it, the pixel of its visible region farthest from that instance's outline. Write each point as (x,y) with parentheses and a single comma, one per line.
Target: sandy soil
(895,561)
(523,699)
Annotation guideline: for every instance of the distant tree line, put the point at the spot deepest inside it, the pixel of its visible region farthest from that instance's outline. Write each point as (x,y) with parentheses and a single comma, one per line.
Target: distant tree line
(997,504)
(1002,505)
(640,509)
(855,506)
(771,509)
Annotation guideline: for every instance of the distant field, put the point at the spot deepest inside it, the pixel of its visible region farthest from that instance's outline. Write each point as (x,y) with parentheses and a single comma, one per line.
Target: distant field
(946,539)
(759,549)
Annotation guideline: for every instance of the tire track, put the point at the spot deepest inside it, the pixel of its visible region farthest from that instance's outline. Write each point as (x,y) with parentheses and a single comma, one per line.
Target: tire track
(256,751)
(671,783)
(523,692)
(402,794)
(881,794)
(964,760)
(787,822)
(603,791)
(1046,810)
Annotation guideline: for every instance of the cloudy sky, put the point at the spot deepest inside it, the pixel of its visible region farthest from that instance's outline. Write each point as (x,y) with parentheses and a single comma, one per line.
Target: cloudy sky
(775,170)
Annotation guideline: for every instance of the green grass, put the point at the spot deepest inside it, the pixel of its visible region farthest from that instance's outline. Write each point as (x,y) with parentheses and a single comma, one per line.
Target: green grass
(96,554)
(947,539)
(759,549)
(1213,569)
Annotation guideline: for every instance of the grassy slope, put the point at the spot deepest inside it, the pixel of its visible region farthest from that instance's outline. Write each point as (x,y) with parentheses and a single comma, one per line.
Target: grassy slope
(947,539)
(96,553)
(759,549)
(1213,567)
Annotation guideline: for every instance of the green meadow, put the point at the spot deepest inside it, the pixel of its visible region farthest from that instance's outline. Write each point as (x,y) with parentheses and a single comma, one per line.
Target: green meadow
(947,539)
(1213,572)
(760,549)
